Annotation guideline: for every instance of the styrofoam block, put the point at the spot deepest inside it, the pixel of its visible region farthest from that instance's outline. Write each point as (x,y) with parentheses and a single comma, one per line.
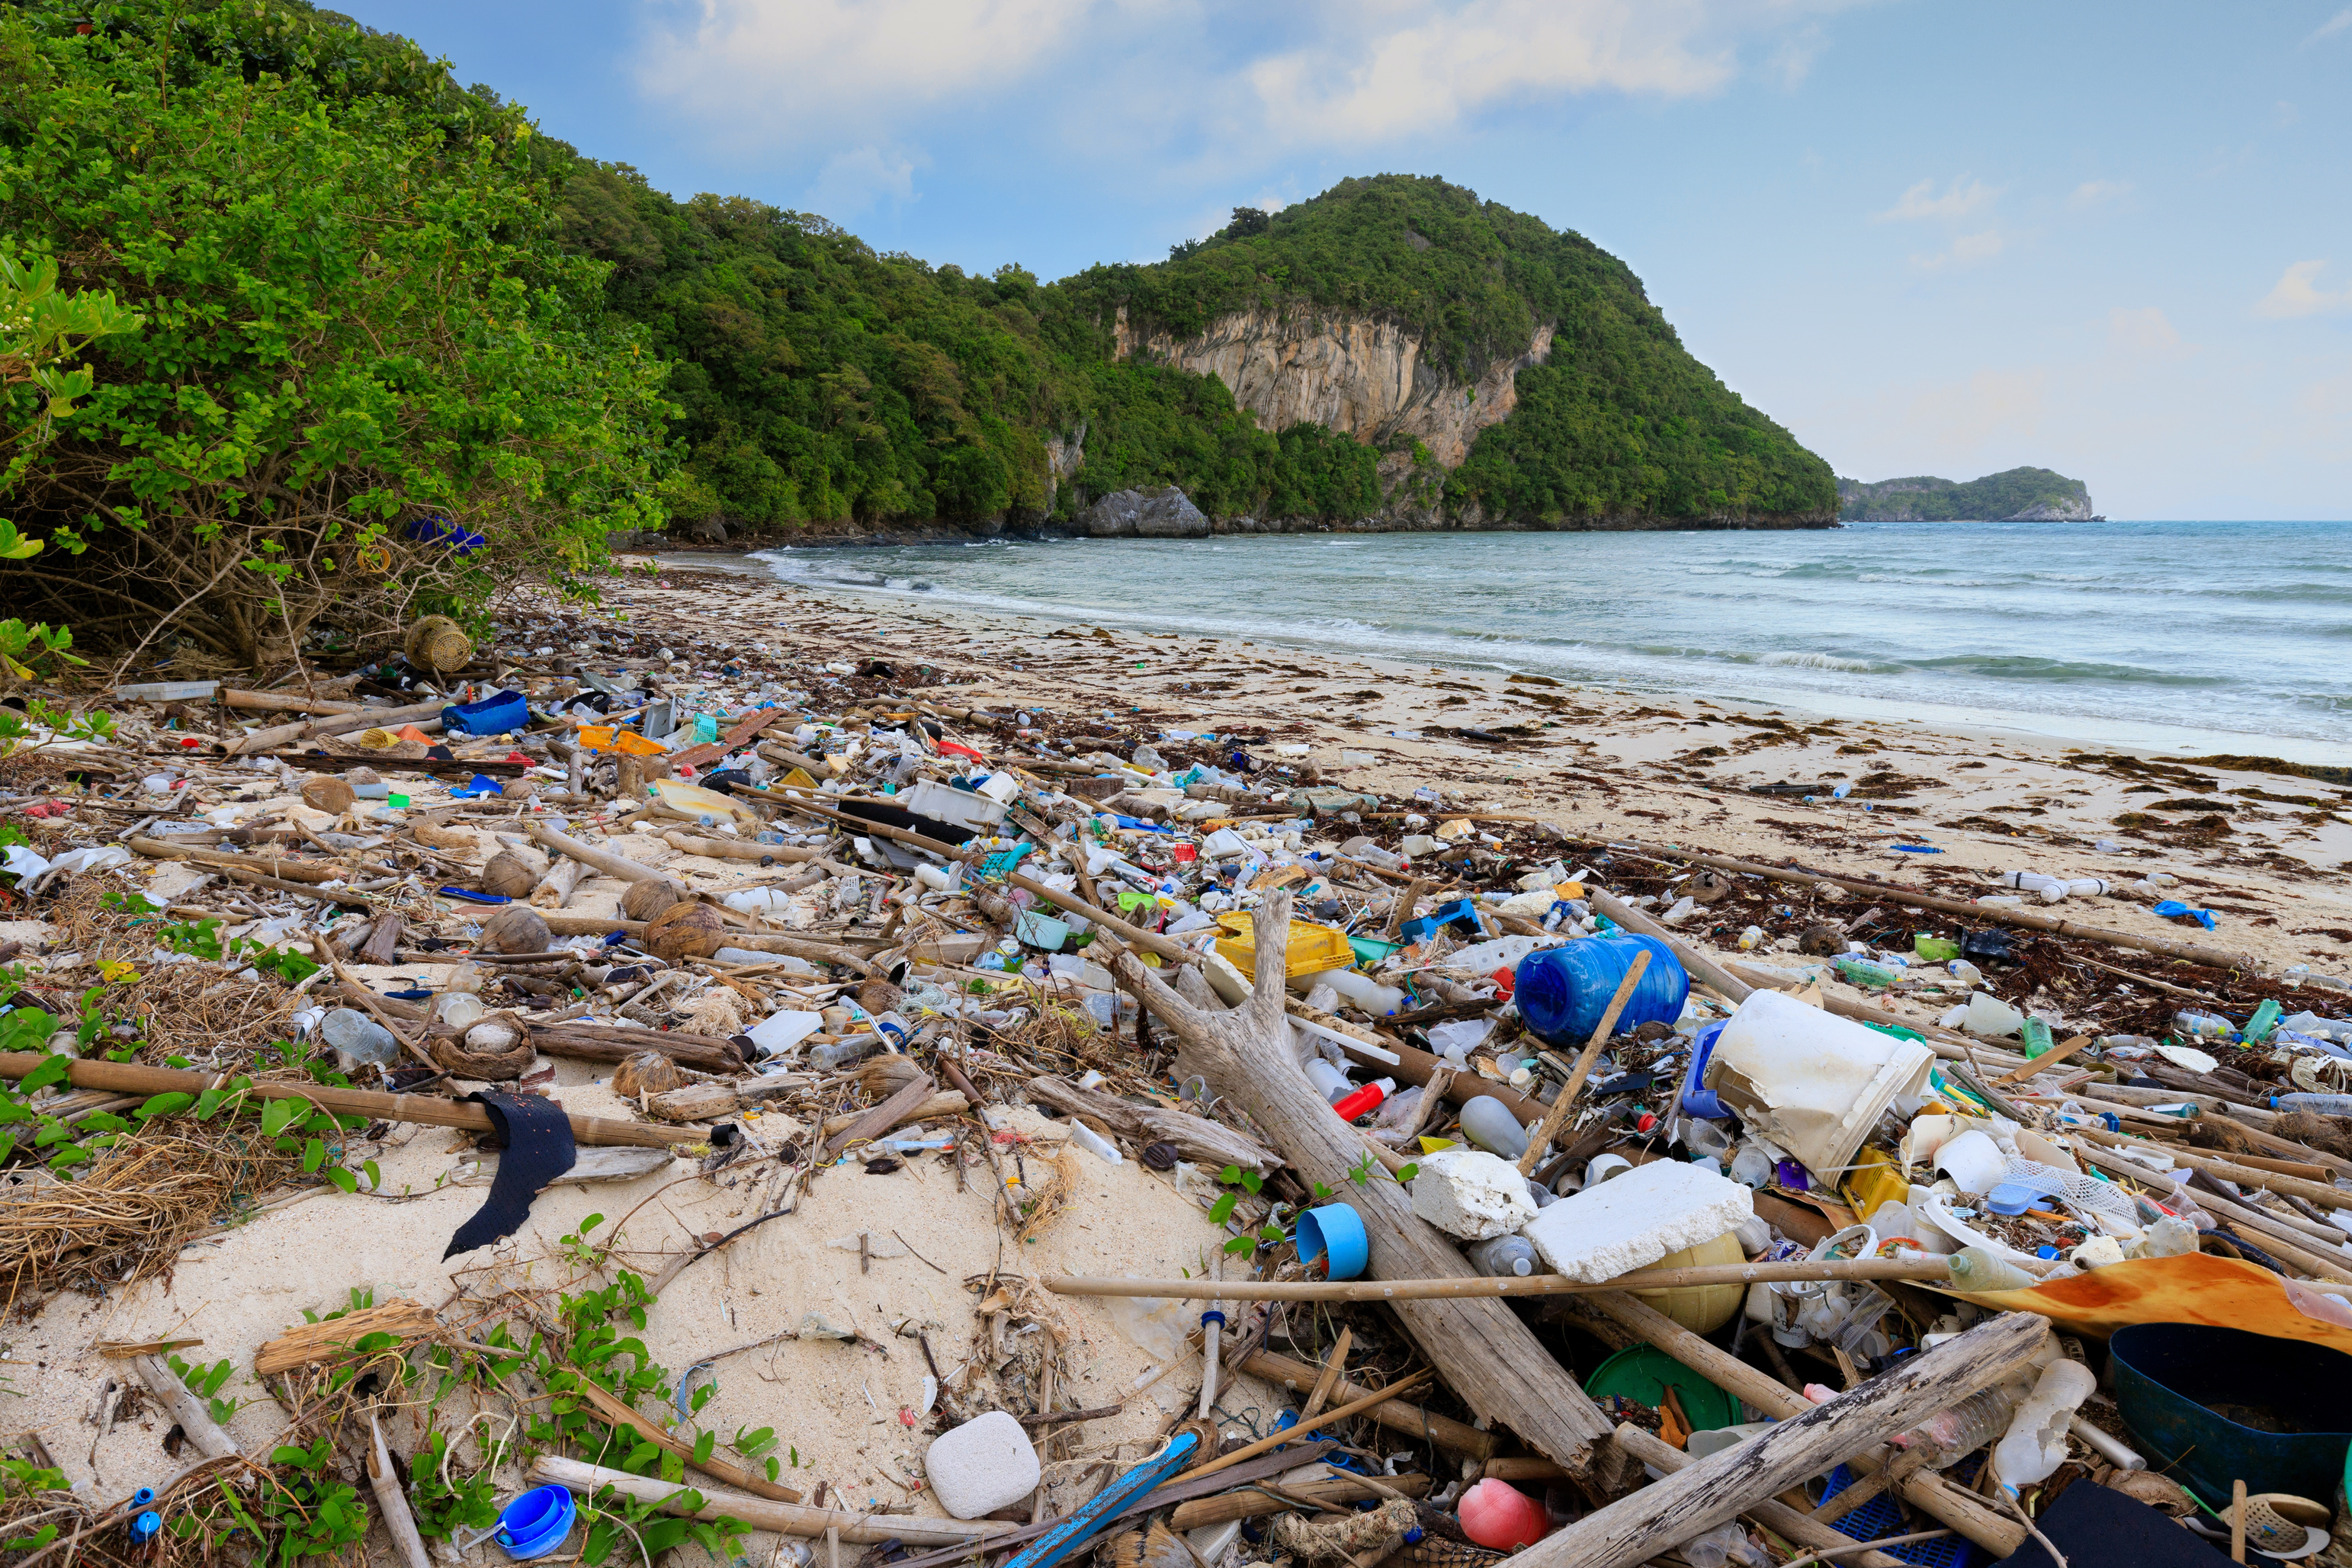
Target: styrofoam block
(985,1463)
(1636,1218)
(1471,1194)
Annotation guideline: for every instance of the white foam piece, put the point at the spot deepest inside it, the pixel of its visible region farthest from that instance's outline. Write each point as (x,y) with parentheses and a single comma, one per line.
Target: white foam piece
(985,1463)
(1471,1194)
(1635,1219)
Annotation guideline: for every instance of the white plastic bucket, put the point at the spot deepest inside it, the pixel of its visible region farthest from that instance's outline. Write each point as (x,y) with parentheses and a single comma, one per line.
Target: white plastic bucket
(1809,1081)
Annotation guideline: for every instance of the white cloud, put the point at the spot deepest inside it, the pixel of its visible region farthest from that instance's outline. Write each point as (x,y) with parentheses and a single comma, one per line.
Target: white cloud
(852,181)
(1967,250)
(2335,24)
(1958,201)
(761,66)
(2144,330)
(2297,293)
(2098,193)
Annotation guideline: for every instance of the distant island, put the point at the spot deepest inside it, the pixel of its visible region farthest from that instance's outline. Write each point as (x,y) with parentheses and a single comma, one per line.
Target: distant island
(2019,496)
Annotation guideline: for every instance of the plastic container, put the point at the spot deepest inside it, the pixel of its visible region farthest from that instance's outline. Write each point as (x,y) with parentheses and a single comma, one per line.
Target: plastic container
(2192,1024)
(1336,1233)
(1505,1257)
(1702,1309)
(1313,949)
(1328,1080)
(1488,1123)
(1698,1101)
(2169,1376)
(1562,991)
(2035,1444)
(1862,972)
(1644,1371)
(1364,1101)
(1094,1143)
(358,1037)
(1974,1268)
(537,1522)
(2318,1104)
(1500,1517)
(1358,990)
(498,714)
(781,1031)
(1811,1083)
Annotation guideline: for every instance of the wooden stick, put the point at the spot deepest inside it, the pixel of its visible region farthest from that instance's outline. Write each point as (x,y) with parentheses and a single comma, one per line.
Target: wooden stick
(1397,1416)
(1333,1364)
(915,1091)
(2310,1192)
(185,1407)
(1928,1268)
(1252,1502)
(614,1411)
(1773,1514)
(1565,1102)
(1265,1445)
(1715,1489)
(384,1481)
(2048,1059)
(763,1513)
(2237,1521)
(125,1077)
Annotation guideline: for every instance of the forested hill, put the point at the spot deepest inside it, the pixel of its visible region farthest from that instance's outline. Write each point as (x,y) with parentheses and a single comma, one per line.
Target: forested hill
(2017,495)
(825,385)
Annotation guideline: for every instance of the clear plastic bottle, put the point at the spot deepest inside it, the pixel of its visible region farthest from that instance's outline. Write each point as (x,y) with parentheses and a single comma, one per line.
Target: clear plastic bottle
(1974,1268)
(2197,1025)
(1488,1123)
(1505,1256)
(1865,973)
(1950,1435)
(2317,1104)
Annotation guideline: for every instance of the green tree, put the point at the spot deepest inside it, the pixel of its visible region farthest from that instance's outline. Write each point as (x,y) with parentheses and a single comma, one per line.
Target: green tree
(363,340)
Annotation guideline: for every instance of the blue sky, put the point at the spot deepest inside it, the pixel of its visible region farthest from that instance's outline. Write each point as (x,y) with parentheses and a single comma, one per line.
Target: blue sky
(2111,239)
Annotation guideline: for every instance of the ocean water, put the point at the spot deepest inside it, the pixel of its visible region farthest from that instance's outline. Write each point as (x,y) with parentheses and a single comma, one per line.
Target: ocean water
(2213,637)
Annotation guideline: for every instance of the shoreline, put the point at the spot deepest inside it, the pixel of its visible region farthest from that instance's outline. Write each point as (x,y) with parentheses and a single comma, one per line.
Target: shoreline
(1739,684)
(2266,849)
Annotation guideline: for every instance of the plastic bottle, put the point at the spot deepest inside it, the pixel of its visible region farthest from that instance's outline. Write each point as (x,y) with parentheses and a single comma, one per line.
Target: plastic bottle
(2048,889)
(1500,1517)
(1974,1268)
(2196,1025)
(832,1058)
(2317,1104)
(1751,1165)
(1750,938)
(2088,887)
(1364,1101)
(1328,1080)
(2036,1035)
(354,1035)
(1505,1256)
(2035,1444)
(1864,972)
(1950,1435)
(2264,1020)
(1967,974)
(1359,991)
(1094,1143)
(1488,1123)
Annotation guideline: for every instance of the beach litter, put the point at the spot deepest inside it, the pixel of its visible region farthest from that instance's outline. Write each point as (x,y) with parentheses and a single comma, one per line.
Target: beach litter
(1107,1124)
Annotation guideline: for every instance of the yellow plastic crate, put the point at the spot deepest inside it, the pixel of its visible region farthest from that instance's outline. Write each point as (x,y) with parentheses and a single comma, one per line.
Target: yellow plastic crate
(1313,949)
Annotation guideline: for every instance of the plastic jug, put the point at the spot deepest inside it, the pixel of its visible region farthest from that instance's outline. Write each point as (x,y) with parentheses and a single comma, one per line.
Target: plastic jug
(1562,991)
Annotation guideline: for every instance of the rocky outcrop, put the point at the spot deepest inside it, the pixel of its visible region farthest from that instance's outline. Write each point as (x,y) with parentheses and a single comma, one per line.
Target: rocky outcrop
(2015,496)
(1166,513)
(1362,376)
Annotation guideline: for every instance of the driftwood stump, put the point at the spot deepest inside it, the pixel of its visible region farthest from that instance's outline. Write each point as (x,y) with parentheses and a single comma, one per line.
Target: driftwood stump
(1485,1352)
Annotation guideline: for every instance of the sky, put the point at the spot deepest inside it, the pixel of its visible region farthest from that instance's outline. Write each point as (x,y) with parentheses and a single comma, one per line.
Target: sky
(2111,239)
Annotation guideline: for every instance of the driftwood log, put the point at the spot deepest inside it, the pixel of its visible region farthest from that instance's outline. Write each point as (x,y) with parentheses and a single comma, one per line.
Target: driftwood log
(1925,1490)
(1774,1515)
(1719,1487)
(1196,1138)
(1488,1357)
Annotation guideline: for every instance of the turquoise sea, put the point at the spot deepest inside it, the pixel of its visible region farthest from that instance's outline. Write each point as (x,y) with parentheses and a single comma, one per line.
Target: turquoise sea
(2196,636)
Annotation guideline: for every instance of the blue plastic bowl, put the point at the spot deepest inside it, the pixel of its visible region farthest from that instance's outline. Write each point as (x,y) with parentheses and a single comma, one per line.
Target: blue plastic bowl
(1335,1231)
(535,1524)
(1563,991)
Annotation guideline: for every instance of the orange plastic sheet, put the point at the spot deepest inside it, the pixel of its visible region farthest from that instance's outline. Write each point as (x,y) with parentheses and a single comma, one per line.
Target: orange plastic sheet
(2219,1293)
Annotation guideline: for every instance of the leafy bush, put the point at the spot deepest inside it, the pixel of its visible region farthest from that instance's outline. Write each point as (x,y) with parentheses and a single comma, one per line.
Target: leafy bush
(357,318)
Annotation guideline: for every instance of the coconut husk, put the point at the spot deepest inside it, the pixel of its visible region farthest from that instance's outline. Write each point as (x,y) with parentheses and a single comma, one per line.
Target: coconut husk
(2328,1134)
(651,899)
(439,644)
(686,931)
(518,928)
(326,792)
(647,1073)
(496,1049)
(879,997)
(510,875)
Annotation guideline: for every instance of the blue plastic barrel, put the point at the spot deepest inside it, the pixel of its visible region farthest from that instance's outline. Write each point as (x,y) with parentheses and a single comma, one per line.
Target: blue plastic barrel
(1563,991)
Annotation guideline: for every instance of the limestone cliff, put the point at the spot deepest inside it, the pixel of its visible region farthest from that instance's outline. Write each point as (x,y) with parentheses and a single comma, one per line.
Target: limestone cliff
(1362,376)
(2015,496)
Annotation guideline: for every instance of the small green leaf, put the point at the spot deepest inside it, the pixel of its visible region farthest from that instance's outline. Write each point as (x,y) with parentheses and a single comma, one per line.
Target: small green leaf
(1230,1174)
(1252,1182)
(1407,1171)
(1222,1209)
(314,1155)
(342,1178)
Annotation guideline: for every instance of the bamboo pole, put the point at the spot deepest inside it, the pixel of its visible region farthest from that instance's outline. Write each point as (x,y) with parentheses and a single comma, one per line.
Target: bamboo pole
(1397,1415)
(2310,1192)
(763,1513)
(1930,1270)
(124,1077)
(1267,1444)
